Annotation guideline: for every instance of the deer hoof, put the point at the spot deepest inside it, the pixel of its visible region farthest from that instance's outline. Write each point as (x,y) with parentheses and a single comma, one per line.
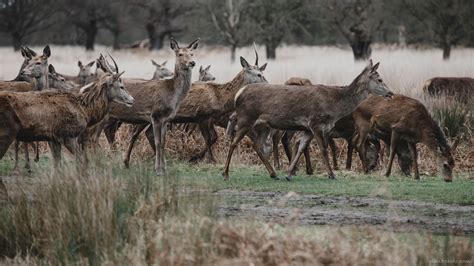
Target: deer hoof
(332,177)
(289,178)
(127,165)
(275,177)
(226,177)
(310,172)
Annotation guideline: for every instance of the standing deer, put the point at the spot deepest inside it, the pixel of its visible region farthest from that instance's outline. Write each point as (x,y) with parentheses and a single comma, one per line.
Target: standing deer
(312,109)
(205,75)
(208,104)
(161,72)
(57,116)
(157,101)
(84,76)
(407,119)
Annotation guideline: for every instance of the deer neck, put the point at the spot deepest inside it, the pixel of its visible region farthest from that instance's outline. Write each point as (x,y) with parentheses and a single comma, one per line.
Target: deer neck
(95,103)
(230,88)
(42,82)
(181,84)
(352,96)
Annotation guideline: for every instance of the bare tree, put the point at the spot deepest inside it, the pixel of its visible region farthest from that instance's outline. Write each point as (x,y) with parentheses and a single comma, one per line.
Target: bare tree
(276,19)
(164,19)
(226,18)
(21,18)
(357,21)
(443,18)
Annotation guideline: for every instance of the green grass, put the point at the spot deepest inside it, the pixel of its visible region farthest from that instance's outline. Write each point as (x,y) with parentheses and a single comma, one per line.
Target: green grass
(256,178)
(430,189)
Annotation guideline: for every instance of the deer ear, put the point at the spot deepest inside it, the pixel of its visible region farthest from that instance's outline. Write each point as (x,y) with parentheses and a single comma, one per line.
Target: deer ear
(200,69)
(262,68)
(91,64)
(174,44)
(208,67)
(47,51)
(79,63)
(164,63)
(25,52)
(244,63)
(51,69)
(374,68)
(154,63)
(194,45)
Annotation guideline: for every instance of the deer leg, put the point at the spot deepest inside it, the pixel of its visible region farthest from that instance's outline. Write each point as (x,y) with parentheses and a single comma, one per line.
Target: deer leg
(276,138)
(239,135)
(158,129)
(262,133)
(15,170)
(111,127)
(324,152)
(205,129)
(393,148)
(163,143)
(332,146)
(350,148)
(414,155)
(27,157)
(307,157)
(286,142)
(150,138)
(360,139)
(137,129)
(307,136)
(55,147)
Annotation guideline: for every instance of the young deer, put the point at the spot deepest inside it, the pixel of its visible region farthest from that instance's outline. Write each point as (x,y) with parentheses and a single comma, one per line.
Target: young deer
(312,109)
(407,119)
(85,75)
(161,72)
(157,101)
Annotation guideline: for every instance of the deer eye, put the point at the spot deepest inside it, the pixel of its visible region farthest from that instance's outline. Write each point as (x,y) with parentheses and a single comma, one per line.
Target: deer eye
(380,80)
(180,54)
(192,54)
(38,63)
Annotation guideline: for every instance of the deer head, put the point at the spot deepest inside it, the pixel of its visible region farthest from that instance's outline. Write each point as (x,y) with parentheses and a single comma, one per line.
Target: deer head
(205,75)
(37,65)
(374,82)
(161,72)
(253,74)
(85,72)
(184,56)
(116,90)
(446,161)
(57,81)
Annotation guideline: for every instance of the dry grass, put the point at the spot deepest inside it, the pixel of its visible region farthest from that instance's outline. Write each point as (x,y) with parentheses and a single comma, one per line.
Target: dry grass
(116,217)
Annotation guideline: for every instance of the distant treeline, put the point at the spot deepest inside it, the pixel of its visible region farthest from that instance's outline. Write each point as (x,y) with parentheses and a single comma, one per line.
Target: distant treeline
(236,23)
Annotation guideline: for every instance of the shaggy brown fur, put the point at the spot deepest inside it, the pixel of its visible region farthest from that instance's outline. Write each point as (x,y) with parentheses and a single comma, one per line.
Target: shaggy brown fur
(407,119)
(461,89)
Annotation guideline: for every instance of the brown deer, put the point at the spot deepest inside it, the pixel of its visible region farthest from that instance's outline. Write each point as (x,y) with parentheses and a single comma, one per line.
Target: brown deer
(63,116)
(157,101)
(85,75)
(208,104)
(205,75)
(161,72)
(460,89)
(312,109)
(407,119)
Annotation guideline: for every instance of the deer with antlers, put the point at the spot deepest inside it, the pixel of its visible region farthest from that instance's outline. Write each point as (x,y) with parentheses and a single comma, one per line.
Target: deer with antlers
(311,109)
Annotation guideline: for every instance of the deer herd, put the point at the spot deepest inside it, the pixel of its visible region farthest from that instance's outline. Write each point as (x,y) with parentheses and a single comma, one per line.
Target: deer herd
(43,105)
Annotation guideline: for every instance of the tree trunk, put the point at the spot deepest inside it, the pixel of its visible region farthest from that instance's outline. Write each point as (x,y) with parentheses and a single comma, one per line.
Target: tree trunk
(361,49)
(151,31)
(16,41)
(116,40)
(91,33)
(233,48)
(446,51)
(270,48)
(160,40)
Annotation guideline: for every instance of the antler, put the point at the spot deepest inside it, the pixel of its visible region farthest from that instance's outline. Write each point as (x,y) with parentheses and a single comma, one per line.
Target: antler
(115,63)
(256,54)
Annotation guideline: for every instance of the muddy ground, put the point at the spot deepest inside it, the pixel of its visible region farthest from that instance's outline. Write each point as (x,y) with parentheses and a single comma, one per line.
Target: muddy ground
(307,210)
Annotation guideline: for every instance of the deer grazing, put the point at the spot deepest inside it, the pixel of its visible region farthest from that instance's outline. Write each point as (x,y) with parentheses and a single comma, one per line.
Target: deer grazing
(205,75)
(161,72)
(460,89)
(406,119)
(157,101)
(311,109)
(62,117)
